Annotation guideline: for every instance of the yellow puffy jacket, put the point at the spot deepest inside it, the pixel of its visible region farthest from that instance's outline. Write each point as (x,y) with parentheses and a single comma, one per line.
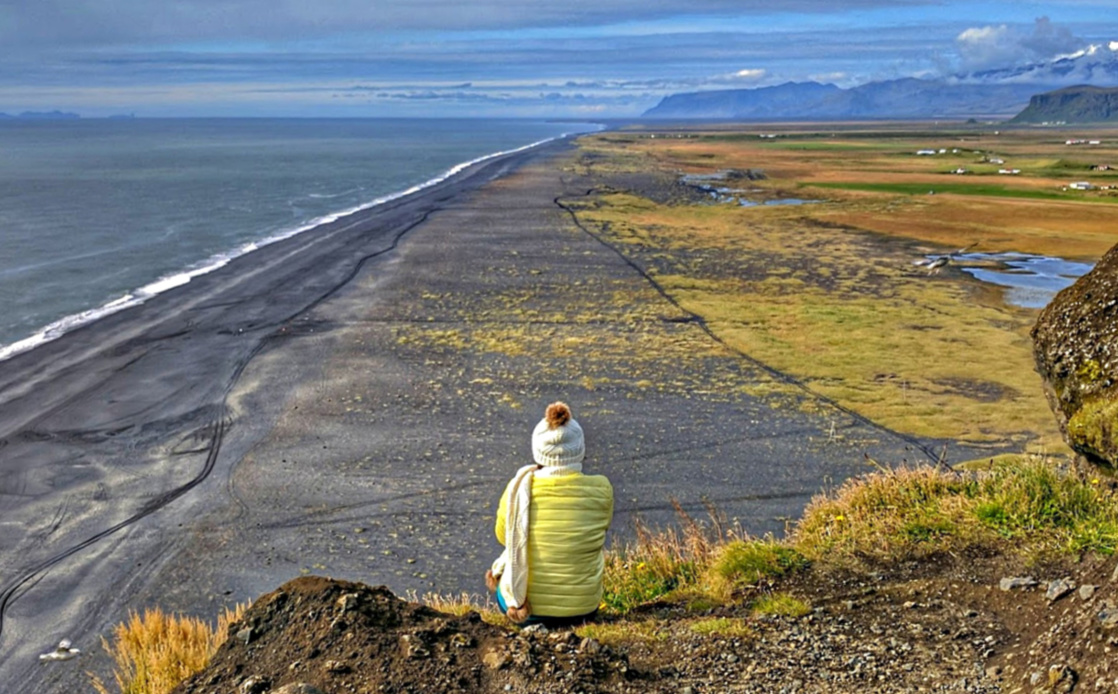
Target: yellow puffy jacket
(568,519)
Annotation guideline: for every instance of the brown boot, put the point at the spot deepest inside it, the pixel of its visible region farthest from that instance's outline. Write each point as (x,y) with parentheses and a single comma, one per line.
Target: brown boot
(519,614)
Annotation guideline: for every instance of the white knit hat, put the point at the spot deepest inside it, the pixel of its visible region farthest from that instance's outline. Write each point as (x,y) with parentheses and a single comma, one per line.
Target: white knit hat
(557,439)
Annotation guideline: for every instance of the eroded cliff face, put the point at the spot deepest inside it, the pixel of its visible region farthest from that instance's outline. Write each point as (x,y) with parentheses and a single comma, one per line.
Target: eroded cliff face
(1075,341)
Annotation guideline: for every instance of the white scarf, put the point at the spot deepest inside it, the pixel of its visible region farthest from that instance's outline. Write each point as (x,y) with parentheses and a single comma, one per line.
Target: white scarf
(512,565)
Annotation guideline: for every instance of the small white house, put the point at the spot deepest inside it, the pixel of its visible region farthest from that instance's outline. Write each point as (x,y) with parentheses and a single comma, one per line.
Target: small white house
(1080,185)
(1009,172)
(925,152)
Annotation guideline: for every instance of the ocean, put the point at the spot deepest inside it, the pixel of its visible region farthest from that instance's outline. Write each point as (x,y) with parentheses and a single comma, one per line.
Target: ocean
(98,215)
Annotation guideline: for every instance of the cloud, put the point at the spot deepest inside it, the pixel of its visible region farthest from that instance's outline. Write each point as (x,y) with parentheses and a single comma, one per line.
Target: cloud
(115,23)
(1004,45)
(751,75)
(830,77)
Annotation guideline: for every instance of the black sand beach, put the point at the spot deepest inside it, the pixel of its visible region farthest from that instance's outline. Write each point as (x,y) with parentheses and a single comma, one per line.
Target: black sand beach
(350,402)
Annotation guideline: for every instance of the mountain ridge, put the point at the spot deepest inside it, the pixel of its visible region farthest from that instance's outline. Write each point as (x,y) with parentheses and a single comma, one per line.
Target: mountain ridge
(997,93)
(1078,104)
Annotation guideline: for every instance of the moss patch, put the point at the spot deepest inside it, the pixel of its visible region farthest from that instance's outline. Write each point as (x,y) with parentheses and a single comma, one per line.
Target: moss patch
(1093,429)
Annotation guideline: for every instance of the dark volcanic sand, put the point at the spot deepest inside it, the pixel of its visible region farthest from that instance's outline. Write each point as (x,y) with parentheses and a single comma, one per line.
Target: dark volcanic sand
(367,417)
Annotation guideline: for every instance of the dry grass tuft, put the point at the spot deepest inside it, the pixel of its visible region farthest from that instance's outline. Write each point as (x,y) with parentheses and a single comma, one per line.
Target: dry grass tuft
(463,604)
(780,605)
(726,627)
(152,653)
(745,563)
(621,633)
(662,564)
(910,513)
(1026,506)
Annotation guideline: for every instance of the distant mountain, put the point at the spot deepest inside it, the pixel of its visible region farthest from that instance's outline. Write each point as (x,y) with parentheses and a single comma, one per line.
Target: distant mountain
(788,100)
(1095,64)
(987,93)
(1081,104)
(903,98)
(48,115)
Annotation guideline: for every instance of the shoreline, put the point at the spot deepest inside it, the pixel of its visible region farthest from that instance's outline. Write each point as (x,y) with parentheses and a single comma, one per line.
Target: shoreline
(121,416)
(140,295)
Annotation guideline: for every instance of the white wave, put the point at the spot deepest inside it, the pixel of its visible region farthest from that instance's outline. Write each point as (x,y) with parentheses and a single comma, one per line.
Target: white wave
(138,296)
(68,323)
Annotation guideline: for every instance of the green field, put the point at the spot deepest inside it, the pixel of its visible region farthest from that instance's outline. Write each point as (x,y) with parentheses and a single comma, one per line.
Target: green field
(966,189)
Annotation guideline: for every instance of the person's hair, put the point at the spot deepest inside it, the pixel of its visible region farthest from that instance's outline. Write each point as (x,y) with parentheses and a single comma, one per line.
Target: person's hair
(558,414)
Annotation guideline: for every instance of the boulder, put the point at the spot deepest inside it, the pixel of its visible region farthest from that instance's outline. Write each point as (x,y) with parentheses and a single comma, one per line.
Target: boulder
(1075,343)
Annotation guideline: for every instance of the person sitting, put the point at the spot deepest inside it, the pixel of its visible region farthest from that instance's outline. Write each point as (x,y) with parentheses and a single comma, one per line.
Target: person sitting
(552,520)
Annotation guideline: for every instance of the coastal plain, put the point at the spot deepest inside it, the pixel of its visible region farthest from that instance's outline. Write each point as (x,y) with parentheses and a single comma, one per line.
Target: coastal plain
(374,406)
(828,289)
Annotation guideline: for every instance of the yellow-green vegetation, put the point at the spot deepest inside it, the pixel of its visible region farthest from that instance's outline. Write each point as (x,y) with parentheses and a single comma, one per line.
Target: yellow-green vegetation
(703,564)
(1094,427)
(854,321)
(1026,506)
(627,632)
(805,289)
(618,332)
(726,627)
(153,652)
(670,564)
(742,563)
(915,513)
(779,605)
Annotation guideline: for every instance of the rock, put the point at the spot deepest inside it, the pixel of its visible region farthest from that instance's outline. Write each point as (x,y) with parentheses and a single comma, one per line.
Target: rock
(62,651)
(1075,344)
(336,666)
(1062,679)
(254,685)
(1086,592)
(1114,575)
(1108,616)
(534,629)
(246,635)
(347,602)
(1017,583)
(589,645)
(1059,588)
(413,647)
(495,660)
(297,688)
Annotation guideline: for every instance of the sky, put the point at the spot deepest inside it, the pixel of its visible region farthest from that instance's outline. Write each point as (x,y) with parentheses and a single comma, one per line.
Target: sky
(490,58)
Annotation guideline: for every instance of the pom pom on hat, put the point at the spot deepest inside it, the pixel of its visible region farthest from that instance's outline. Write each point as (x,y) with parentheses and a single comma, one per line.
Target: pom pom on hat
(557,439)
(557,415)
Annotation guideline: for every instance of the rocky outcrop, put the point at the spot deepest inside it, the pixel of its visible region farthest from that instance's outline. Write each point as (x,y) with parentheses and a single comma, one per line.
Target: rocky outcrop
(1075,342)
(316,635)
(1082,104)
